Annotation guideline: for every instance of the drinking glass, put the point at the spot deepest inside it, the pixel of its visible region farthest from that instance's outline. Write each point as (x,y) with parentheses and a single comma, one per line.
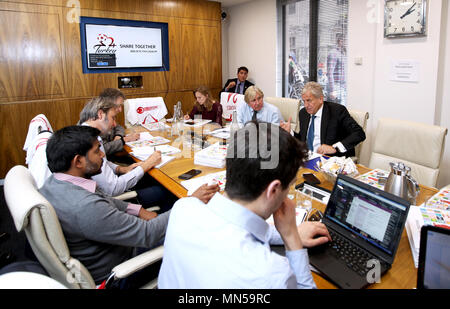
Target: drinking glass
(304,199)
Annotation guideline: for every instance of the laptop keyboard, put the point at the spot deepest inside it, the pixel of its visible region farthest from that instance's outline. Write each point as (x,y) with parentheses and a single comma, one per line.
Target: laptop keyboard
(353,256)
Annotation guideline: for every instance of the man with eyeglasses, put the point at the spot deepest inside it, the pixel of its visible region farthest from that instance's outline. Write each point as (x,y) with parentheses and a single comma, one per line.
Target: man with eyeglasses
(256,109)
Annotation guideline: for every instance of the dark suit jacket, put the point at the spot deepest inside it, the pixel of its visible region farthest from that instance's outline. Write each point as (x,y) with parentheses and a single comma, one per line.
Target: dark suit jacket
(233,89)
(337,126)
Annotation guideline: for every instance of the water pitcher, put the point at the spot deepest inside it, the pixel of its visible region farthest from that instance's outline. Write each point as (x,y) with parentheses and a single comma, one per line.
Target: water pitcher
(400,182)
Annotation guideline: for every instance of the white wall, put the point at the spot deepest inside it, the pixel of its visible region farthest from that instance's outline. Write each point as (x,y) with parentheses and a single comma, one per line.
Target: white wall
(443,111)
(251,42)
(369,87)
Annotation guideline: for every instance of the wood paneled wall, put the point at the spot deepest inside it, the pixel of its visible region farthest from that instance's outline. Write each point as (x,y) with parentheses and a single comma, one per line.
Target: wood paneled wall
(41,70)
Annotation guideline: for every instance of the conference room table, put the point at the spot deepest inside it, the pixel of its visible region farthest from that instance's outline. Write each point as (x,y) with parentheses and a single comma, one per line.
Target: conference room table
(402,275)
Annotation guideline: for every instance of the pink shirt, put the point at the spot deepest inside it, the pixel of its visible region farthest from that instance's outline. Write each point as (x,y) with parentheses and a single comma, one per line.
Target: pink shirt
(90,185)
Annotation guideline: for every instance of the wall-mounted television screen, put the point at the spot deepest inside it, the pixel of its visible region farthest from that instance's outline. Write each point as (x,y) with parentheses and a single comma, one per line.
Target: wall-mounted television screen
(115,45)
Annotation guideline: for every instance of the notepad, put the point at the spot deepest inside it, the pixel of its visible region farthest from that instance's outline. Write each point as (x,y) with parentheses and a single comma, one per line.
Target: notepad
(193,184)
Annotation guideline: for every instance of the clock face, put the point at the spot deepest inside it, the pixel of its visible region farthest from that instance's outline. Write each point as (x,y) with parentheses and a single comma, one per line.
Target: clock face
(404,18)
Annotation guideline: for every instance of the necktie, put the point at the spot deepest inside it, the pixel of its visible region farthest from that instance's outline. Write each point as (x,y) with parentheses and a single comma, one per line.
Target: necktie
(238,88)
(254,115)
(311,134)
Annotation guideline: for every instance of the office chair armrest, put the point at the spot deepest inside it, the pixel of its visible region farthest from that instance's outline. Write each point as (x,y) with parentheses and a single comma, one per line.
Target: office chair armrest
(132,194)
(126,195)
(137,263)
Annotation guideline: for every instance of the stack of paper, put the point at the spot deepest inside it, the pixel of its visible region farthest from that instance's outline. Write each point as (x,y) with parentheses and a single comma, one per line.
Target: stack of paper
(196,123)
(155,126)
(213,156)
(413,224)
(214,178)
(142,153)
(221,133)
(440,200)
(436,212)
(375,178)
(149,141)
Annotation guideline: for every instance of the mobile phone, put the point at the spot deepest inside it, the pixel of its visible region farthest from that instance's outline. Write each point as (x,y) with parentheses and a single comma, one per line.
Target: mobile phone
(191,123)
(189,174)
(311,179)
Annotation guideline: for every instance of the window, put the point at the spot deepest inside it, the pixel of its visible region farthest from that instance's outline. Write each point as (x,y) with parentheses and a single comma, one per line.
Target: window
(291,8)
(315,47)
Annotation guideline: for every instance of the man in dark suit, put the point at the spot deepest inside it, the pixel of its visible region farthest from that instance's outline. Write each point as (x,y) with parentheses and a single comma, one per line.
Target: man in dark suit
(239,84)
(333,131)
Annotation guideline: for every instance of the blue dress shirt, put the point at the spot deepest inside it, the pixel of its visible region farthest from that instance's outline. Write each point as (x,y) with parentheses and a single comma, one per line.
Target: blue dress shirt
(269,113)
(223,245)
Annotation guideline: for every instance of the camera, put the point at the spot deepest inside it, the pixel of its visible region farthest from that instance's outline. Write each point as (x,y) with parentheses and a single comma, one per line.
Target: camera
(224,15)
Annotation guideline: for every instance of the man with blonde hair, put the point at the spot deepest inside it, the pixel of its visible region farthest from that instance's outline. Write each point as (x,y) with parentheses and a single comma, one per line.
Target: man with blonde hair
(326,127)
(256,109)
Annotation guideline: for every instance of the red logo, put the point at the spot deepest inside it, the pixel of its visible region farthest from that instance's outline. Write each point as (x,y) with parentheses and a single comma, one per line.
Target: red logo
(103,39)
(233,96)
(141,110)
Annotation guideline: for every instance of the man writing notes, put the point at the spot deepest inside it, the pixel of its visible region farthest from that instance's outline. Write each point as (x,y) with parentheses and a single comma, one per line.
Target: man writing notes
(101,232)
(326,127)
(116,179)
(226,243)
(239,84)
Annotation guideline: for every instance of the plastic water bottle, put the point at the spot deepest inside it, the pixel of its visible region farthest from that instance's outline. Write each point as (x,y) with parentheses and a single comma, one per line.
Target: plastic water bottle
(234,123)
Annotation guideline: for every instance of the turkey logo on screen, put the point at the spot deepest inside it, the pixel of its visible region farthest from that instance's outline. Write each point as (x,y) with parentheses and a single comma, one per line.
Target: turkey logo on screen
(105,40)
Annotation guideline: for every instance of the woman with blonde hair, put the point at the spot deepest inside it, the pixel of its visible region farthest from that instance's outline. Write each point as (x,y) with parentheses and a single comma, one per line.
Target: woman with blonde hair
(206,106)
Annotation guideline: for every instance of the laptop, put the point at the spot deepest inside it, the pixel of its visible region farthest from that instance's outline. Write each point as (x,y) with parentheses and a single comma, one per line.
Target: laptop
(434,263)
(366,226)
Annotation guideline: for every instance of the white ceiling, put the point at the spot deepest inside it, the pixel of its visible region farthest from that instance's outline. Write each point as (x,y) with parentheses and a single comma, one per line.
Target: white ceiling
(229,3)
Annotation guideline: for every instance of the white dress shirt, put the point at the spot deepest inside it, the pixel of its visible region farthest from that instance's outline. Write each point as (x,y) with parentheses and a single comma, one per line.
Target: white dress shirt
(223,245)
(317,123)
(112,184)
(317,127)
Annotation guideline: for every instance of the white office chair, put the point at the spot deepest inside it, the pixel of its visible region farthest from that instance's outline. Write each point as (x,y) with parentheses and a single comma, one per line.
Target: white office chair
(361,119)
(288,108)
(417,145)
(39,131)
(32,213)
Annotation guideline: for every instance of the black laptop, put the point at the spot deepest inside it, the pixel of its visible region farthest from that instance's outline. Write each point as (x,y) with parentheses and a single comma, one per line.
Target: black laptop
(434,262)
(366,226)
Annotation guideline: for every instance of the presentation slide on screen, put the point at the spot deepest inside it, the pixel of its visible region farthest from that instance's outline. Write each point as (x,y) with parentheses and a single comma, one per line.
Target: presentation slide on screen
(123,47)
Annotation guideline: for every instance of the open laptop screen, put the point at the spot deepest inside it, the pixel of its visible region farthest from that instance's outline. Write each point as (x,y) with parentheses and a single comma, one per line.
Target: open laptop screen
(366,211)
(434,262)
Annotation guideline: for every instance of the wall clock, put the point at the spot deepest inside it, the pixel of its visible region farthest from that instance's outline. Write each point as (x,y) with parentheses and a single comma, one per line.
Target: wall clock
(404,18)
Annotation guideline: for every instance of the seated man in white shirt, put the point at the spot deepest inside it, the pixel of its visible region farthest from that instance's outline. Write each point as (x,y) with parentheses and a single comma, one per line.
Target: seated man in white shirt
(226,243)
(115,179)
(257,109)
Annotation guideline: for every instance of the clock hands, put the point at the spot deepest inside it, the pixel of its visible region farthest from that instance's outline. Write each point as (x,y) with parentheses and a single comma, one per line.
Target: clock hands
(409,11)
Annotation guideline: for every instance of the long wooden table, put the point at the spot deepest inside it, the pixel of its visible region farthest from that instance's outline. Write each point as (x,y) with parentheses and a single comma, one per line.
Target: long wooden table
(402,275)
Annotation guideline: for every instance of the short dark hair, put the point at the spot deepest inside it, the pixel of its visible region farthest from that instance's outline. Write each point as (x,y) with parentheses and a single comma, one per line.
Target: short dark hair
(68,142)
(242,69)
(246,180)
